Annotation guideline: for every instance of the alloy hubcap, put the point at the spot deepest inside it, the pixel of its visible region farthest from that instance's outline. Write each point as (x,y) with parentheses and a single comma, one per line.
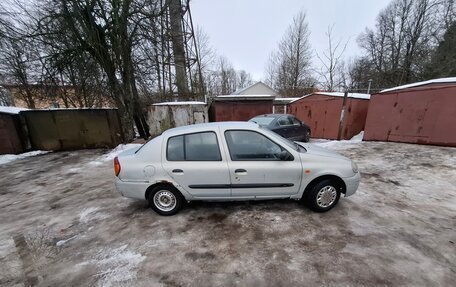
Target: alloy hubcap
(326,196)
(165,200)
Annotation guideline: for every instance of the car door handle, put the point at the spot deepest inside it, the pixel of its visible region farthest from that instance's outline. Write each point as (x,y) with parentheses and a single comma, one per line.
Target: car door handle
(178,171)
(240,171)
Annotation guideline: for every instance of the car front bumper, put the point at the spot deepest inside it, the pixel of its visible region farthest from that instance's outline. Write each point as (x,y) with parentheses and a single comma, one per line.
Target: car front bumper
(351,184)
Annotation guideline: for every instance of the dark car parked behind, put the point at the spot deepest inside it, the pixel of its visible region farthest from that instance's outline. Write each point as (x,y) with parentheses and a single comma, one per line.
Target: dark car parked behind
(288,126)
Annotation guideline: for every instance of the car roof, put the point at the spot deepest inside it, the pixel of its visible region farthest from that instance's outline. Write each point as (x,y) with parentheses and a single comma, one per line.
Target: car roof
(273,115)
(210,126)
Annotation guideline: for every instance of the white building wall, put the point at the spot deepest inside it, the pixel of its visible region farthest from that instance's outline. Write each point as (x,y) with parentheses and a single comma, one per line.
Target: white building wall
(163,117)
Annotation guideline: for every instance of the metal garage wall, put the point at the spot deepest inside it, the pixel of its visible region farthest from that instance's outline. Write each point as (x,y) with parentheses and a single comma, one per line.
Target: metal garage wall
(72,128)
(11,140)
(322,114)
(355,117)
(424,115)
(241,110)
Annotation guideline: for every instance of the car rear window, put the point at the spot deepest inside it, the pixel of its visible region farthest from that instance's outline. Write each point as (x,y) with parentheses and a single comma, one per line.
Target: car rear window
(194,147)
(262,121)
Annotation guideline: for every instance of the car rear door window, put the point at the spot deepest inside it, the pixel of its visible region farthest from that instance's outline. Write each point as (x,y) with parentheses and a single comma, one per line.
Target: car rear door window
(249,145)
(193,147)
(175,149)
(295,121)
(202,146)
(284,121)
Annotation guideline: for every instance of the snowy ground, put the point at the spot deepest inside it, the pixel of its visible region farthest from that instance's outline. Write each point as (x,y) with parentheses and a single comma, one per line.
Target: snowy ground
(63,224)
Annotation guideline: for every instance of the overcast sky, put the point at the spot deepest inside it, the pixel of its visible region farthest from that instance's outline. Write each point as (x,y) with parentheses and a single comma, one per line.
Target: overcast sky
(246,31)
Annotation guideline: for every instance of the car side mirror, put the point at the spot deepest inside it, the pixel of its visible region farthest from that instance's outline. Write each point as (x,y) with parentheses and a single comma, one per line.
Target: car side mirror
(285,155)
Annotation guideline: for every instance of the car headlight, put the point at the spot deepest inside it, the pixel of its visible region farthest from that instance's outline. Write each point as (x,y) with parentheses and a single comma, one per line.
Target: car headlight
(354,167)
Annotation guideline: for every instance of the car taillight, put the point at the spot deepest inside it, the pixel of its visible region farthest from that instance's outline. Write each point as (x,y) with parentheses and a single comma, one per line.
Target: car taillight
(116,166)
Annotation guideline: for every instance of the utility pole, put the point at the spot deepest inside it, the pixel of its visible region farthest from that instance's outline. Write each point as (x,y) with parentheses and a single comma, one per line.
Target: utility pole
(369,87)
(342,116)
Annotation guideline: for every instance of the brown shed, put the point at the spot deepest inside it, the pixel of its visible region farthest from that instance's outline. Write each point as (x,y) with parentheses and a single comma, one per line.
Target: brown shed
(423,113)
(12,140)
(239,108)
(322,111)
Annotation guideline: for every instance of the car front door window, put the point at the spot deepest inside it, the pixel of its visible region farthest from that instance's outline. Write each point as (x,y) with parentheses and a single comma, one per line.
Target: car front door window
(256,169)
(249,145)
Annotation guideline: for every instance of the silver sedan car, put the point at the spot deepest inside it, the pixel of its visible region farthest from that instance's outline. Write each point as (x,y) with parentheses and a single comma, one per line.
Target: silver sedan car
(232,161)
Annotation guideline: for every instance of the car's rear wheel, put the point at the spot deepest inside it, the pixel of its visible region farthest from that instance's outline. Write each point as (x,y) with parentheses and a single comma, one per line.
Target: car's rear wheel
(165,200)
(323,196)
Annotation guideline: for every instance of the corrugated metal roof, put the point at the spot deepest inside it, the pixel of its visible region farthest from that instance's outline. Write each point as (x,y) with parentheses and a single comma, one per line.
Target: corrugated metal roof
(242,97)
(337,94)
(179,103)
(350,95)
(417,84)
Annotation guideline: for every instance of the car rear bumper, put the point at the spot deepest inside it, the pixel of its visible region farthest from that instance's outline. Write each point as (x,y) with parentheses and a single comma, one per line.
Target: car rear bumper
(131,189)
(351,184)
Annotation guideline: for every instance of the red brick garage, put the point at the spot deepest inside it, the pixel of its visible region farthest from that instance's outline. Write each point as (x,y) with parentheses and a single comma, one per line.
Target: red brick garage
(322,112)
(423,113)
(239,108)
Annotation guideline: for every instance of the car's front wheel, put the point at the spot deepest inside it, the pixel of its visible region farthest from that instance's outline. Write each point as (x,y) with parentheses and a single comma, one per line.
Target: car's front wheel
(323,196)
(165,200)
(307,136)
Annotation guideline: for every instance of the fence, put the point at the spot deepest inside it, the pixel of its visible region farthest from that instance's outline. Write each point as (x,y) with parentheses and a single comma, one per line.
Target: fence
(59,129)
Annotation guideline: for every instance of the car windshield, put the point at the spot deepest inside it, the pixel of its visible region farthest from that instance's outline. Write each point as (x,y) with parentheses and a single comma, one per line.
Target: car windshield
(288,142)
(262,121)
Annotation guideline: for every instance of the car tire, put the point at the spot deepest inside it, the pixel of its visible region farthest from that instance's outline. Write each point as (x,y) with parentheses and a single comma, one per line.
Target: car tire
(323,196)
(165,200)
(307,136)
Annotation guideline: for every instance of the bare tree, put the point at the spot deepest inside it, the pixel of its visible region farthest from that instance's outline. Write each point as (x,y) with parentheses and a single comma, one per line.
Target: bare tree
(5,97)
(406,34)
(19,63)
(223,79)
(206,52)
(288,69)
(108,31)
(332,62)
(244,79)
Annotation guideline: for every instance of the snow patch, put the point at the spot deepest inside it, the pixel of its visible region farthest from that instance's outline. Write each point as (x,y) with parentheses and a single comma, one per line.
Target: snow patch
(62,242)
(11,110)
(117,265)
(358,138)
(91,213)
(117,150)
(6,158)
(338,144)
(74,169)
(113,153)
